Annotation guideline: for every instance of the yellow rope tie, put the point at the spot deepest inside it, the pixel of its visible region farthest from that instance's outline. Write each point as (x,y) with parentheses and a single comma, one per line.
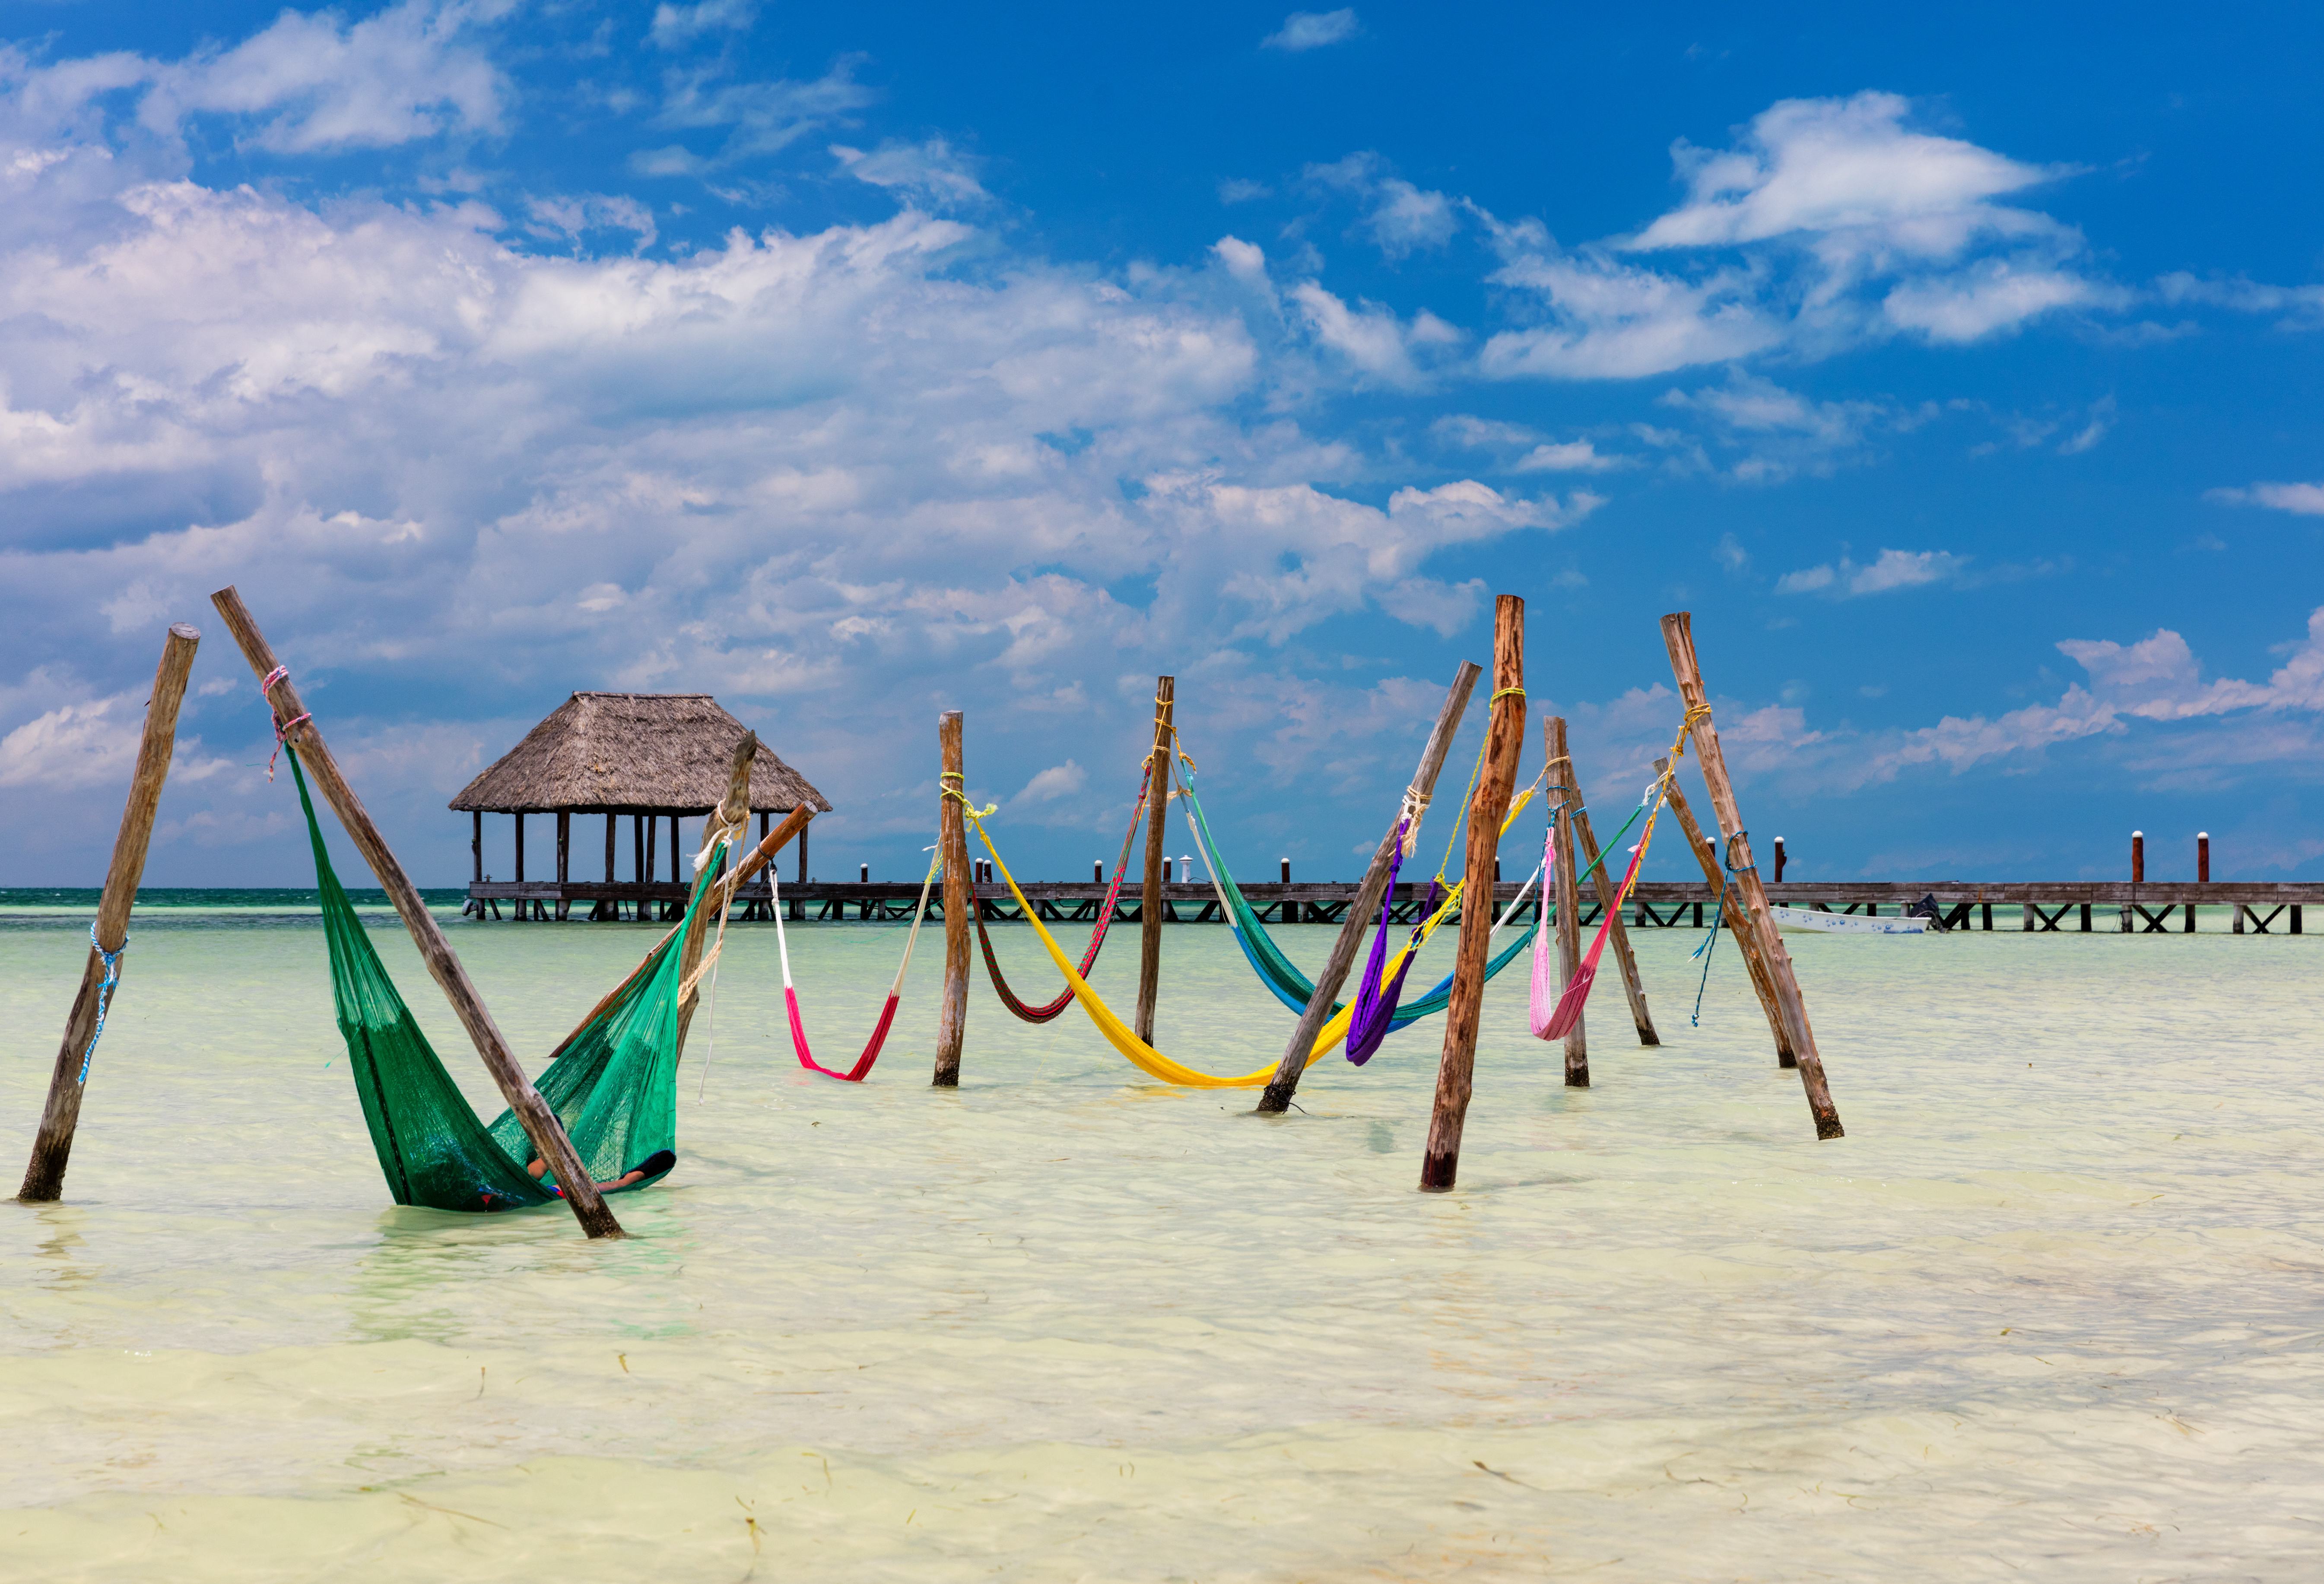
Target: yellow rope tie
(958,796)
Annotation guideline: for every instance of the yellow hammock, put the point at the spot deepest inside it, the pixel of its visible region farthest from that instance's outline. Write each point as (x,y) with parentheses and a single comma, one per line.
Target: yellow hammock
(1144,1056)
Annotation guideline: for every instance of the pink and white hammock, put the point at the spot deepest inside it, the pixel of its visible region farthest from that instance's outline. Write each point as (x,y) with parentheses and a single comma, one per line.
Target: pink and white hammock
(1552,1012)
(854,1074)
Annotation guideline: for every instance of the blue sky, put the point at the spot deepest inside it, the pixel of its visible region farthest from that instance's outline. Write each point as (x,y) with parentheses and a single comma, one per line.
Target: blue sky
(855,363)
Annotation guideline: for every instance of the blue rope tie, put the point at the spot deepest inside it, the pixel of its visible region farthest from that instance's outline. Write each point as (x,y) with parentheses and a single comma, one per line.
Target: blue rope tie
(1718,923)
(112,961)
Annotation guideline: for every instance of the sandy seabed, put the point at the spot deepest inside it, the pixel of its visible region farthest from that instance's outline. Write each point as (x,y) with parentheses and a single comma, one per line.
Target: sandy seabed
(2053,1309)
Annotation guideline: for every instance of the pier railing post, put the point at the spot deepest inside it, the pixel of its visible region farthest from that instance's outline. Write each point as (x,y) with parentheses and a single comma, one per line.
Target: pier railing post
(959,897)
(44,1173)
(1569,901)
(1157,808)
(1439,1167)
(1739,924)
(1678,637)
(1277,1099)
(540,1124)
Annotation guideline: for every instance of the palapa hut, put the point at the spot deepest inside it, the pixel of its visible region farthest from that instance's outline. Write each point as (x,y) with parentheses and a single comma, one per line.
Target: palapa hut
(648,756)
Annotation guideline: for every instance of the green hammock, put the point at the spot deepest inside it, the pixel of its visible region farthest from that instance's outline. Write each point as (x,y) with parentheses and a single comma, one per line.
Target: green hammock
(1277,971)
(614,1087)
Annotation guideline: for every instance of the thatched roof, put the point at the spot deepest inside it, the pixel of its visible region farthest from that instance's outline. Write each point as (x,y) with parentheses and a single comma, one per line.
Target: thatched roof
(632,753)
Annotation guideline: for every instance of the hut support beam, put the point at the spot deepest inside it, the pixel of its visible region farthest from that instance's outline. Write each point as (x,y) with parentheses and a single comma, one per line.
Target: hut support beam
(44,1173)
(540,1124)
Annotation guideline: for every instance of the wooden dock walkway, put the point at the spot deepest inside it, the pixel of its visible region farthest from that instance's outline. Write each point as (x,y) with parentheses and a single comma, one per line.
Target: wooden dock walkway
(2085,907)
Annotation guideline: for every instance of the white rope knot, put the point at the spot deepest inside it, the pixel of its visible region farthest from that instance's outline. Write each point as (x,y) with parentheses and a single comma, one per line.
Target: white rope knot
(1415,804)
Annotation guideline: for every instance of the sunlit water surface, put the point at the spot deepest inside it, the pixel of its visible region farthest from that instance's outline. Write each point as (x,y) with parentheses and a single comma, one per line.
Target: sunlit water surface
(2050,1309)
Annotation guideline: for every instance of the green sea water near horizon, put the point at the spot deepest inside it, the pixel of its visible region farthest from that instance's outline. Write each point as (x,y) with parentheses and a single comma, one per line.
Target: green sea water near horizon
(2053,1308)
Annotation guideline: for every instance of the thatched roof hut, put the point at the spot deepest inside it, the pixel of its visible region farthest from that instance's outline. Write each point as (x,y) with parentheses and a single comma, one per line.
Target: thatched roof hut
(648,753)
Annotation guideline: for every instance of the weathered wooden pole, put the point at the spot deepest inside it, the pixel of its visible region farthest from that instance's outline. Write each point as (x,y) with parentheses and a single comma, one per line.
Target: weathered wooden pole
(757,859)
(1737,922)
(1569,902)
(733,813)
(297,728)
(1277,1097)
(1678,637)
(1440,1167)
(1158,809)
(1780,856)
(959,897)
(100,976)
(563,861)
(1607,888)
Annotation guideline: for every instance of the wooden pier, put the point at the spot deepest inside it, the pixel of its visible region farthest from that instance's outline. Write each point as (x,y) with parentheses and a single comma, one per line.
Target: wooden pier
(2030,906)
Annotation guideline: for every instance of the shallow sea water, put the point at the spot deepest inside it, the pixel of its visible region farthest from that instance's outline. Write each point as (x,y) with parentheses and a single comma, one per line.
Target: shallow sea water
(2053,1309)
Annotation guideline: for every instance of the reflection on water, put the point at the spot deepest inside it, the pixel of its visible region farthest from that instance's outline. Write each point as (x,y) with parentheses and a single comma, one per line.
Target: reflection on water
(2054,1306)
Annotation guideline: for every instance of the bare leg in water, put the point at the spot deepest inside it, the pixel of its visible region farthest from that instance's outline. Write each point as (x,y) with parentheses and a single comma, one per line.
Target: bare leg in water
(653,1165)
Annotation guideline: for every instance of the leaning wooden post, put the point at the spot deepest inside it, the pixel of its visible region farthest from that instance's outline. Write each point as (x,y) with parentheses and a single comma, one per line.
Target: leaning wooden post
(100,976)
(733,813)
(1569,903)
(297,729)
(1605,884)
(959,897)
(1678,637)
(1158,809)
(1731,913)
(1504,743)
(1280,1088)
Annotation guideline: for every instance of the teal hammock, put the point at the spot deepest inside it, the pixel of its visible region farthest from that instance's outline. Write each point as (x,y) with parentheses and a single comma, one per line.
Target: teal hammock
(614,1087)
(1277,972)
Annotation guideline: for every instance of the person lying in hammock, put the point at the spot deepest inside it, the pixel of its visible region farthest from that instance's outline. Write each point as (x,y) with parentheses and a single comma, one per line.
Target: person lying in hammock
(653,1165)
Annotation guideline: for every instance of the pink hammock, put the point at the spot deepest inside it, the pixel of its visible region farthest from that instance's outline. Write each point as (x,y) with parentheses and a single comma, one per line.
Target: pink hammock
(1554,1015)
(854,1074)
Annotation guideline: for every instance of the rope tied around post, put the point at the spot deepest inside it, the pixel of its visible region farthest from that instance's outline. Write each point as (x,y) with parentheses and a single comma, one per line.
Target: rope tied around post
(281,728)
(112,961)
(960,796)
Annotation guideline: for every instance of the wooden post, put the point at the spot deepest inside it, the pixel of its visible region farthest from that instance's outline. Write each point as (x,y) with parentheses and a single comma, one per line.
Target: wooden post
(518,817)
(1779,861)
(1440,1167)
(476,845)
(1569,903)
(1277,1099)
(734,810)
(1606,885)
(540,1124)
(1739,924)
(959,897)
(734,879)
(564,859)
(44,1173)
(1158,809)
(2203,857)
(1678,637)
(802,858)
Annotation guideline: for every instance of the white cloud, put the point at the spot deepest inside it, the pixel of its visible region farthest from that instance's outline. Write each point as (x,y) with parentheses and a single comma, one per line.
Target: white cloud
(1607,320)
(309,83)
(929,172)
(675,26)
(1312,29)
(1571,456)
(1243,260)
(1824,166)
(1057,781)
(1891,570)
(1235,190)
(1780,432)
(1400,217)
(2303,500)
(757,117)
(1372,339)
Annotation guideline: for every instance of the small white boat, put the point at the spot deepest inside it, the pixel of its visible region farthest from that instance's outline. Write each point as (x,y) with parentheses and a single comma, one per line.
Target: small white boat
(1809,921)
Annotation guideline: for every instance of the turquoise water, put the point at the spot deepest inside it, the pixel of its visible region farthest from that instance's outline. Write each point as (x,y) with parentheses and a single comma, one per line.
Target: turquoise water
(2054,1307)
